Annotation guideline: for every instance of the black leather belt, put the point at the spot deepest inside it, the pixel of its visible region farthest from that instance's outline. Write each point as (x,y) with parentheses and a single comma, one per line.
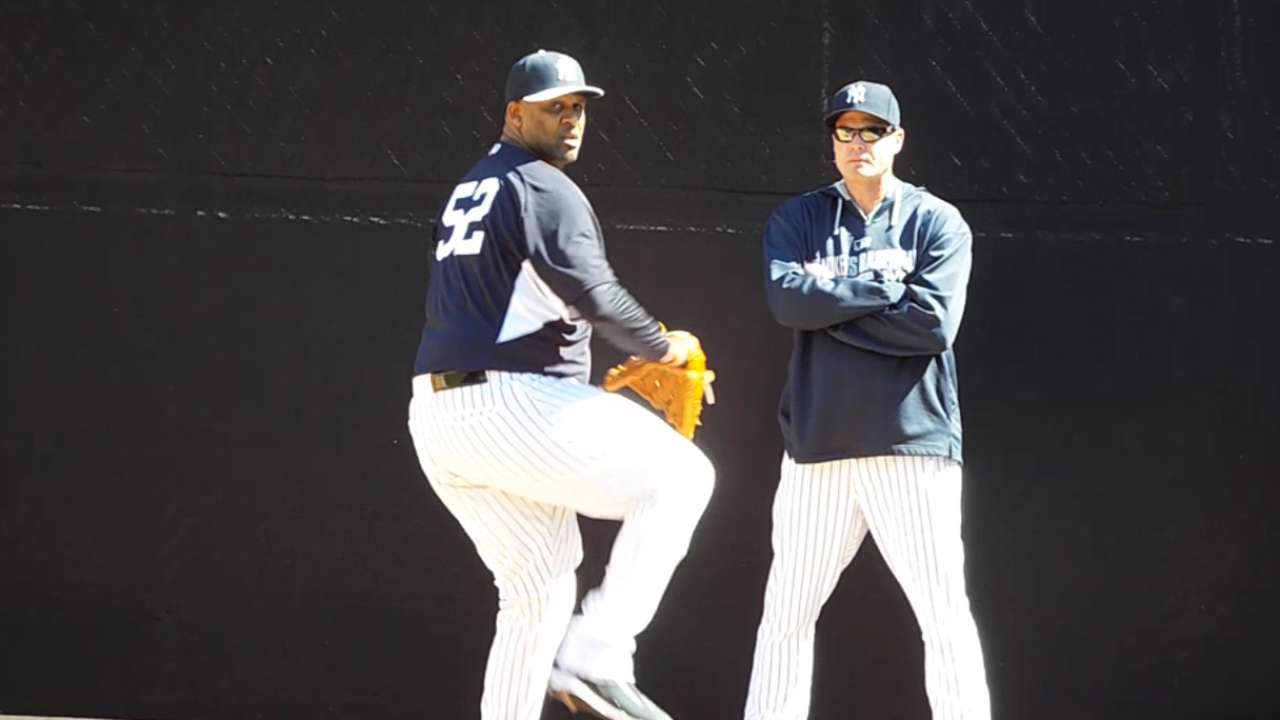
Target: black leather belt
(456,379)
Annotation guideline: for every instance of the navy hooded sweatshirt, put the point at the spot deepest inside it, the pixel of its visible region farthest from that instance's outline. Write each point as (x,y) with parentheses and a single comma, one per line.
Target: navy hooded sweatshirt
(875,305)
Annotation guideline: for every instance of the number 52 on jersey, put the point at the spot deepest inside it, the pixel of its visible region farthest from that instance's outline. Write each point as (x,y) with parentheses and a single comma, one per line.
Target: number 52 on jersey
(462,239)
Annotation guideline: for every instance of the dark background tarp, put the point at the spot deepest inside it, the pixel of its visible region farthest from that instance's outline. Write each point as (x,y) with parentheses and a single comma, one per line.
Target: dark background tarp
(216,220)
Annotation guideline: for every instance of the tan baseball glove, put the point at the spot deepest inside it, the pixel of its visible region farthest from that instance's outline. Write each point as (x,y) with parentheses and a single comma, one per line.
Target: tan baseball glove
(677,390)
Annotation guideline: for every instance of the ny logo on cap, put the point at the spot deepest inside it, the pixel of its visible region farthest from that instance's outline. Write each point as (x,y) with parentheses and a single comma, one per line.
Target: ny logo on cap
(857,94)
(566,70)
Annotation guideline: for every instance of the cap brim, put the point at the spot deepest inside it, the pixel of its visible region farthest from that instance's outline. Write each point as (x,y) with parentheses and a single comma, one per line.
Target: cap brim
(555,92)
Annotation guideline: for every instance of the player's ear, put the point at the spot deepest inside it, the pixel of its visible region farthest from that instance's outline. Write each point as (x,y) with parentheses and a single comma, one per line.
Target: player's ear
(902,138)
(515,113)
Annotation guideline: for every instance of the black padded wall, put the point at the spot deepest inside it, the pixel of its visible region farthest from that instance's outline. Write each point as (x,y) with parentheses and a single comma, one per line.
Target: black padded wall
(216,221)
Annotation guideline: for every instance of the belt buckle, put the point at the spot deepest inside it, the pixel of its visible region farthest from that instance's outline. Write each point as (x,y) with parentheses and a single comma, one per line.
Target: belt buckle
(456,379)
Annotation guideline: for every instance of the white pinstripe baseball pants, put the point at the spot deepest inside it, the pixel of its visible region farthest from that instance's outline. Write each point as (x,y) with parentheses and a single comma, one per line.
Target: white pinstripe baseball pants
(514,459)
(821,514)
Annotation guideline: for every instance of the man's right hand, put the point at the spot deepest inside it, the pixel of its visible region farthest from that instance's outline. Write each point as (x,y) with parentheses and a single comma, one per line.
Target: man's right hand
(679,345)
(819,270)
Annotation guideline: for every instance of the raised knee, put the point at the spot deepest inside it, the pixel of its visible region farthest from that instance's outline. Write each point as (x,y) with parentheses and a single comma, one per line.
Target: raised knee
(699,478)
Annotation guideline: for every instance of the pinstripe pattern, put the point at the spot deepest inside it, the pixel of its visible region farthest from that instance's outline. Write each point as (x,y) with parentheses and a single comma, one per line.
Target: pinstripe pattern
(821,514)
(533,549)
(514,459)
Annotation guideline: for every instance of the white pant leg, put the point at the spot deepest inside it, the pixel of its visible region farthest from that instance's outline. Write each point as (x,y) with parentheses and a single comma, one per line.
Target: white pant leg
(571,445)
(913,507)
(532,549)
(633,467)
(818,527)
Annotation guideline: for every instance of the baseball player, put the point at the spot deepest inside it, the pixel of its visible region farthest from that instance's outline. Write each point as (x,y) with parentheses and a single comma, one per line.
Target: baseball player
(870,273)
(514,440)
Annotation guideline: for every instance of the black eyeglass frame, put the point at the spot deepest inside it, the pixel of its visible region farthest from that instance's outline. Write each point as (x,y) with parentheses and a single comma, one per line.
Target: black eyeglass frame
(869,134)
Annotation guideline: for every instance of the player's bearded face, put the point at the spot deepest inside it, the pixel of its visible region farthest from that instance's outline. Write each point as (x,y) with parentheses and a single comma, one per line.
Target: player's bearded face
(554,129)
(860,159)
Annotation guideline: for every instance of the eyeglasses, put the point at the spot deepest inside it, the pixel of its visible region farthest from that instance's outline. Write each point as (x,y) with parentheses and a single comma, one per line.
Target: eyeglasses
(868,135)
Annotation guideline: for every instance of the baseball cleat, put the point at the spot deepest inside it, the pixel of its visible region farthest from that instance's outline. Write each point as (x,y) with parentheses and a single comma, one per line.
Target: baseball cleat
(602,698)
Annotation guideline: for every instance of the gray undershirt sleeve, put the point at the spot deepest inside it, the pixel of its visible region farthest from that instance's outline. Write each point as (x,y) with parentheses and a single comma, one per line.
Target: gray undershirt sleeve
(620,319)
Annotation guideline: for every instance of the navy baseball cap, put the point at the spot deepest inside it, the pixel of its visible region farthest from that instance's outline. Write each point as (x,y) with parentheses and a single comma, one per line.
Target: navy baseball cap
(868,97)
(546,74)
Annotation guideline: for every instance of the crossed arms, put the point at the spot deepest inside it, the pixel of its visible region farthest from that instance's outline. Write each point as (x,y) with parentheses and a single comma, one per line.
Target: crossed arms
(918,316)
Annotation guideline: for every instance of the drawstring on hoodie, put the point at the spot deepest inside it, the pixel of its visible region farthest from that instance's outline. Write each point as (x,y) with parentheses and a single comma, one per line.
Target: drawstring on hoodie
(897,205)
(894,216)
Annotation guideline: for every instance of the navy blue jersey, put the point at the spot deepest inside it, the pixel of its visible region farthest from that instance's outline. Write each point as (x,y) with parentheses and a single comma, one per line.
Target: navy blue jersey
(876,304)
(515,245)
